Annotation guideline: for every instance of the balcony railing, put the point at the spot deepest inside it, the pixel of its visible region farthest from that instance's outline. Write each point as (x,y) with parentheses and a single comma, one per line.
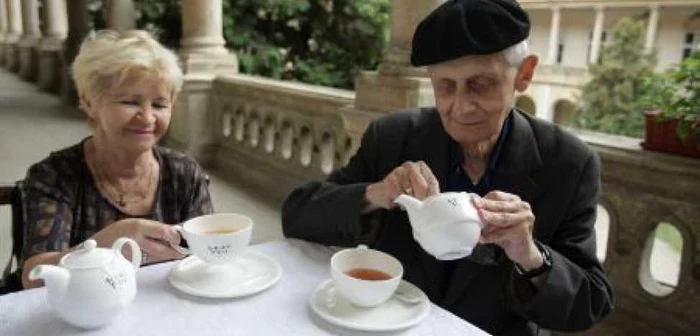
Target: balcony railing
(278,134)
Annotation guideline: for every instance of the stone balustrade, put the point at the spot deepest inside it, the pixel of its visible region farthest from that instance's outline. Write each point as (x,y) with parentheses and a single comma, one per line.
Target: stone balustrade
(561,75)
(642,189)
(276,134)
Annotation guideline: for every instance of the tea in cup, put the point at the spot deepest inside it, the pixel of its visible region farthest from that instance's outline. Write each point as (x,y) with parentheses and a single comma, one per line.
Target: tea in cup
(364,276)
(216,238)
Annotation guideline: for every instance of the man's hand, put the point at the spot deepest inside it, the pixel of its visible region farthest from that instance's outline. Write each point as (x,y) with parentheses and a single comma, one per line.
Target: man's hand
(508,223)
(411,178)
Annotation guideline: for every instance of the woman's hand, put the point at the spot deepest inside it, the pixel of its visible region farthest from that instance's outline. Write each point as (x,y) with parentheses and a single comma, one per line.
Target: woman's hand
(154,238)
(411,178)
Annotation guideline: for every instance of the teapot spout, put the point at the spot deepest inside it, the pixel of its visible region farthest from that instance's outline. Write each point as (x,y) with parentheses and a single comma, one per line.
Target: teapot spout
(56,279)
(409,203)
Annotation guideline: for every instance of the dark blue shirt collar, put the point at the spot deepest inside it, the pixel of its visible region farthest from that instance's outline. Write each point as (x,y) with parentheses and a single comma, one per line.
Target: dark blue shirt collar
(457,180)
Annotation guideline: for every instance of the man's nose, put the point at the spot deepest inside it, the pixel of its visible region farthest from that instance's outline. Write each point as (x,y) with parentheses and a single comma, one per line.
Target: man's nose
(464,102)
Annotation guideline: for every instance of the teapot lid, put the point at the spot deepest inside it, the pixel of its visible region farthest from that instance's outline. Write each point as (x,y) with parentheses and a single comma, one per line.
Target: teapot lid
(87,255)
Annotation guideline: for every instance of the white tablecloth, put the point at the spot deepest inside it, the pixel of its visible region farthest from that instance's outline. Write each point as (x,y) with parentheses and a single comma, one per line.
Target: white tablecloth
(160,309)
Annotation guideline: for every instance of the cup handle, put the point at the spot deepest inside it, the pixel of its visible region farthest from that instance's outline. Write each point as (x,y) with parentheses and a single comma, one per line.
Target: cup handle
(135,250)
(180,249)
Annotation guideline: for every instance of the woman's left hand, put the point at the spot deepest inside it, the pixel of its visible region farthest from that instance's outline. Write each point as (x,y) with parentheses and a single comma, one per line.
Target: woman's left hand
(508,223)
(154,238)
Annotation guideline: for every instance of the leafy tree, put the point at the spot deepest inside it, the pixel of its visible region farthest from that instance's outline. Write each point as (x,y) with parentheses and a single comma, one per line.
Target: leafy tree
(325,42)
(613,100)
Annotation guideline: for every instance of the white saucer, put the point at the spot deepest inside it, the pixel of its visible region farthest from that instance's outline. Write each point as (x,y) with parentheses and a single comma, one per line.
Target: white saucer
(249,273)
(393,314)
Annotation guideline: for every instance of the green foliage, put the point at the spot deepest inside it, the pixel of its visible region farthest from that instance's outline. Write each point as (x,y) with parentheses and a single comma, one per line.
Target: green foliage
(324,42)
(677,96)
(612,101)
(162,18)
(314,41)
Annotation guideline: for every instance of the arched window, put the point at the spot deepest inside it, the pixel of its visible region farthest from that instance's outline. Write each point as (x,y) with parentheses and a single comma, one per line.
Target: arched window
(526,104)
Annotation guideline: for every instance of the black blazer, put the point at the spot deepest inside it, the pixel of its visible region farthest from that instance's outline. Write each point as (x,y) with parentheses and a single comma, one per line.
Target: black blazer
(552,170)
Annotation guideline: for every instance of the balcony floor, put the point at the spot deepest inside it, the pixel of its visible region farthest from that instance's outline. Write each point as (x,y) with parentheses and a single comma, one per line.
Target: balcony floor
(33,123)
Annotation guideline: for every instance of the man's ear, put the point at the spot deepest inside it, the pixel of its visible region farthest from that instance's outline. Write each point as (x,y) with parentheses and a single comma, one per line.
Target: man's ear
(527,70)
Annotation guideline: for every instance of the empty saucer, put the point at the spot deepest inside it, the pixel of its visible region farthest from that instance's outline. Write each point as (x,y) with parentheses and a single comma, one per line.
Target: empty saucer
(247,274)
(394,314)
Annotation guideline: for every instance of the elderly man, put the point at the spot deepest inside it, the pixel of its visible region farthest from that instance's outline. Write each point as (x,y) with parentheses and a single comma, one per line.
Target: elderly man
(535,267)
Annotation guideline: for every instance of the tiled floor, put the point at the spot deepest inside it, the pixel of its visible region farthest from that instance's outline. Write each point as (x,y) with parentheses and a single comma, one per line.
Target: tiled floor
(32,124)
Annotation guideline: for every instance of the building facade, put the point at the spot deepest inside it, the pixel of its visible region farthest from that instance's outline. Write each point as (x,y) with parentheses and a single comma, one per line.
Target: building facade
(568,35)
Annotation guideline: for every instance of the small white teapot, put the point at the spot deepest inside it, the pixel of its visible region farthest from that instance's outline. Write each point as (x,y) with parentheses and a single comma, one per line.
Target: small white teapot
(91,286)
(445,225)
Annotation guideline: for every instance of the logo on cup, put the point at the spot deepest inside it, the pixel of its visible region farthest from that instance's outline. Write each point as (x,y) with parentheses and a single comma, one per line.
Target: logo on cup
(220,249)
(216,238)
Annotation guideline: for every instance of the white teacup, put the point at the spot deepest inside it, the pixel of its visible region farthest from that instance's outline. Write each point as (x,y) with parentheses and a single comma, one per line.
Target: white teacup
(216,238)
(352,270)
(445,225)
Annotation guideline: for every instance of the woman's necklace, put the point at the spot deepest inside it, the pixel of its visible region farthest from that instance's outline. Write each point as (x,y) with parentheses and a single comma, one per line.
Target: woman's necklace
(124,194)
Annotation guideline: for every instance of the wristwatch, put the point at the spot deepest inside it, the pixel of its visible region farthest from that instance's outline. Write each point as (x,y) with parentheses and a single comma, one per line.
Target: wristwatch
(546,265)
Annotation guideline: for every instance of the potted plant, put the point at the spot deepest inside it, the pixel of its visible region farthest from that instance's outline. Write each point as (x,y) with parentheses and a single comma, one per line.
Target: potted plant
(673,116)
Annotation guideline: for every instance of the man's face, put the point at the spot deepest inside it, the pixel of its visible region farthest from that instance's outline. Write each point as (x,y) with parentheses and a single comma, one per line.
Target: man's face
(473,95)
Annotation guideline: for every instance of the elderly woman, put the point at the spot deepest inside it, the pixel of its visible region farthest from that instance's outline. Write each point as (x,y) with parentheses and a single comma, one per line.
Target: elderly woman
(117,182)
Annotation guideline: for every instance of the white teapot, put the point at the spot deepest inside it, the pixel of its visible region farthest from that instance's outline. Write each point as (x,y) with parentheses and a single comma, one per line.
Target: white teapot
(91,286)
(445,225)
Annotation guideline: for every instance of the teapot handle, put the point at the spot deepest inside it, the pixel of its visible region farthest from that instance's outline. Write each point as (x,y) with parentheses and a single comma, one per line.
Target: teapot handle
(135,250)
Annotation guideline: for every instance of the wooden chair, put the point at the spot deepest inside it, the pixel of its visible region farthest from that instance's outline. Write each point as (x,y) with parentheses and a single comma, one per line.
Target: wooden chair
(10,195)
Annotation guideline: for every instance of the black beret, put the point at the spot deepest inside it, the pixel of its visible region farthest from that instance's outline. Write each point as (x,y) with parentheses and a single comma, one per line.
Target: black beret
(468,27)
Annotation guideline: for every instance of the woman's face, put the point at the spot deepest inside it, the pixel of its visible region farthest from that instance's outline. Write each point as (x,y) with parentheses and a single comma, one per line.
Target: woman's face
(133,115)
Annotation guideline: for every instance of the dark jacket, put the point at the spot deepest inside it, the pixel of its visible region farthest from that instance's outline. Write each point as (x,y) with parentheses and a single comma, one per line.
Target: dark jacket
(552,170)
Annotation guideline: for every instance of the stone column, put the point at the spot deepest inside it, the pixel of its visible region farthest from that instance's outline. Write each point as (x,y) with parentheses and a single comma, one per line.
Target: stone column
(30,40)
(406,16)
(3,29)
(203,47)
(51,44)
(597,35)
(120,14)
(554,36)
(397,84)
(14,25)
(652,27)
(203,56)
(79,25)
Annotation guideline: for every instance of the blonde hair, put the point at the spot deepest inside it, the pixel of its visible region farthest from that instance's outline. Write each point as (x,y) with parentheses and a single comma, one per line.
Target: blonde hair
(108,58)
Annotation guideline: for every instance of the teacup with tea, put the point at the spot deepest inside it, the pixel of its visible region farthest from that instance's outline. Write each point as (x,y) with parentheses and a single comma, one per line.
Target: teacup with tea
(216,238)
(364,276)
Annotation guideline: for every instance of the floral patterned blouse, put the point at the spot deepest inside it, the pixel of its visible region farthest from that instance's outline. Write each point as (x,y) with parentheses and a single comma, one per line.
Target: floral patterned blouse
(62,206)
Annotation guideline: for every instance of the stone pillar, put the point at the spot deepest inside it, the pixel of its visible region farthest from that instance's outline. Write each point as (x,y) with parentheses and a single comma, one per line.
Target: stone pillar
(120,14)
(554,36)
(203,46)
(203,56)
(14,25)
(652,27)
(397,84)
(406,16)
(79,25)
(51,44)
(597,35)
(3,29)
(29,43)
